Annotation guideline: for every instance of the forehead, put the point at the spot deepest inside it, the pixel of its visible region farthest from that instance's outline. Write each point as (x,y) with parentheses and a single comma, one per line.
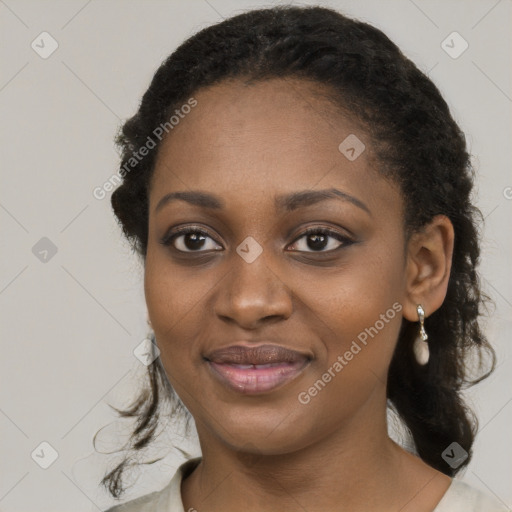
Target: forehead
(263,138)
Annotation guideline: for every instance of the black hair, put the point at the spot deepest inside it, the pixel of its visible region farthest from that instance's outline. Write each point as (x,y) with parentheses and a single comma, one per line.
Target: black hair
(417,144)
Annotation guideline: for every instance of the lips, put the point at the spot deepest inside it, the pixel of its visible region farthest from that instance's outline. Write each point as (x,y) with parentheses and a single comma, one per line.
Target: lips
(263,354)
(254,370)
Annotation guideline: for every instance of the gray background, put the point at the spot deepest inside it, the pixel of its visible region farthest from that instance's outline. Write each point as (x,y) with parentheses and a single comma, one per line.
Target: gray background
(70,323)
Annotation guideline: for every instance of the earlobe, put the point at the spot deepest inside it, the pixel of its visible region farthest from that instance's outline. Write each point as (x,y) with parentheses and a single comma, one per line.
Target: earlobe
(429,259)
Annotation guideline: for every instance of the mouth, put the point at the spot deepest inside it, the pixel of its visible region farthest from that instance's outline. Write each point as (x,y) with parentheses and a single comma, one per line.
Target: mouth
(256,370)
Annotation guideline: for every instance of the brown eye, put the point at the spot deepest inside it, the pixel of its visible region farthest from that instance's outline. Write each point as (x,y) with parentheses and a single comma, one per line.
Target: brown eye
(319,239)
(190,239)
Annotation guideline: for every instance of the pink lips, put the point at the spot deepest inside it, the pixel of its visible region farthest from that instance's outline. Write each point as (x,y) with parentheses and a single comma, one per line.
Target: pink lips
(253,370)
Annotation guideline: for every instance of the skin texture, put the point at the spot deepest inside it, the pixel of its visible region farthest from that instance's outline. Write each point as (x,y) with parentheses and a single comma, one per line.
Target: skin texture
(247,144)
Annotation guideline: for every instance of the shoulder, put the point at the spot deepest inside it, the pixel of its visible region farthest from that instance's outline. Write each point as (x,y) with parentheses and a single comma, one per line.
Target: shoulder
(167,499)
(146,503)
(462,497)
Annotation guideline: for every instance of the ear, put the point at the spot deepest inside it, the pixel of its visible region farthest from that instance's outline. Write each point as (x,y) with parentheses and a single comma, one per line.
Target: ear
(428,265)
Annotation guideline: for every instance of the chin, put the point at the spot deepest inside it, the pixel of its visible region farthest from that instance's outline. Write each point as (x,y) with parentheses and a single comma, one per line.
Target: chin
(265,433)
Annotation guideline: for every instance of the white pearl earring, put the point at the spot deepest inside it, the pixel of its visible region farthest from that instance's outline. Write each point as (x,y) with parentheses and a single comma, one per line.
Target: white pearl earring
(420,346)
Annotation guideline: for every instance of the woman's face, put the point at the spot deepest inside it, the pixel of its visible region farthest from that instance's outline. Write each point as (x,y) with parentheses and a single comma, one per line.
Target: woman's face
(259,155)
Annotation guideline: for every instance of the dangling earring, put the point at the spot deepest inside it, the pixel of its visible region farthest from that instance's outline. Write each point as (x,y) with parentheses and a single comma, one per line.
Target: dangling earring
(420,346)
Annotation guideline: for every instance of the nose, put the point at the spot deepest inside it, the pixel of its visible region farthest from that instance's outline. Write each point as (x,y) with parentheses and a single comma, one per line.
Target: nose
(252,295)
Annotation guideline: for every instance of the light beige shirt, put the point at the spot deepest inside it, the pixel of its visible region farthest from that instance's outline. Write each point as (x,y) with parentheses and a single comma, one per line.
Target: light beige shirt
(460,497)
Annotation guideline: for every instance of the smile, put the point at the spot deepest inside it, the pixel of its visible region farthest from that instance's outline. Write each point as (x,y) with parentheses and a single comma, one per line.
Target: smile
(256,370)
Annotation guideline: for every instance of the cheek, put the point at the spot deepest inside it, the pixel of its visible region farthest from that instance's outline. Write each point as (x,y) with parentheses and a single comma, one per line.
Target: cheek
(172,301)
(176,308)
(172,293)
(358,318)
(361,304)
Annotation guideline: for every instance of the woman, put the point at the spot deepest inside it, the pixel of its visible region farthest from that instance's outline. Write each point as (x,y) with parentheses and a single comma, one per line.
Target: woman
(299,194)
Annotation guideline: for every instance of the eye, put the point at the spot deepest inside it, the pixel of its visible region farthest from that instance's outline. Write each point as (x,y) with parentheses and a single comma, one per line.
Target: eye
(195,239)
(317,239)
(190,239)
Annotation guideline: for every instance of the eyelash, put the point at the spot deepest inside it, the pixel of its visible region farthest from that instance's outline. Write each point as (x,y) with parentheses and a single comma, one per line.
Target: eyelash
(169,238)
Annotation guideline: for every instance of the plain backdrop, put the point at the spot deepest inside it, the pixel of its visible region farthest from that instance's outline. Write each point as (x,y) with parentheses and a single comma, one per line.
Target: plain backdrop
(71,299)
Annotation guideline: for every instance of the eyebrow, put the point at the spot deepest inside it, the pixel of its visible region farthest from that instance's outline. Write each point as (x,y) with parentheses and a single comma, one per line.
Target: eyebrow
(288,202)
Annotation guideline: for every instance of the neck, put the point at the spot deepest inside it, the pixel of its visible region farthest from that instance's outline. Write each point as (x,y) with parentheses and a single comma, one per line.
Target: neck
(357,468)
